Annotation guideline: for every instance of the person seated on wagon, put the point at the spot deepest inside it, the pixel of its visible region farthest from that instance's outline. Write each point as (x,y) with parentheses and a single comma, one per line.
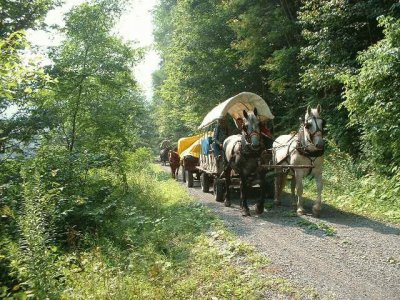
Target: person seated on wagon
(266,134)
(220,134)
(239,122)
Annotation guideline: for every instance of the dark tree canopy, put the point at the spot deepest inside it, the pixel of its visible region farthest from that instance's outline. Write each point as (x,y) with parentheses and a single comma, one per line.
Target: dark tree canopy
(292,53)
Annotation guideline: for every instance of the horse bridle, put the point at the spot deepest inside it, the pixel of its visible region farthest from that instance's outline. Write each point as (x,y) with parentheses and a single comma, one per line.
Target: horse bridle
(306,125)
(302,148)
(247,136)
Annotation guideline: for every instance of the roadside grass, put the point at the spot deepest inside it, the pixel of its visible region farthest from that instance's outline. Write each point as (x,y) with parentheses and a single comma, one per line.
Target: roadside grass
(161,244)
(322,227)
(319,226)
(373,196)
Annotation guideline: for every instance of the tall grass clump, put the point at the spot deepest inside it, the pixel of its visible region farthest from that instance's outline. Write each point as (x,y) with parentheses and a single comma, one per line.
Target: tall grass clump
(369,194)
(36,259)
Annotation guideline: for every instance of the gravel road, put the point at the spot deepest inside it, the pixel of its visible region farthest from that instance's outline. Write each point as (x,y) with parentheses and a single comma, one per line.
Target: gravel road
(340,255)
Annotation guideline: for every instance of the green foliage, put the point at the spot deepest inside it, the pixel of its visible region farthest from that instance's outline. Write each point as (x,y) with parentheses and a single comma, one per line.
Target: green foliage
(21,86)
(283,68)
(372,98)
(87,215)
(97,101)
(36,260)
(267,38)
(159,244)
(199,67)
(139,159)
(21,78)
(11,67)
(326,229)
(292,53)
(19,15)
(335,31)
(212,51)
(347,188)
(82,128)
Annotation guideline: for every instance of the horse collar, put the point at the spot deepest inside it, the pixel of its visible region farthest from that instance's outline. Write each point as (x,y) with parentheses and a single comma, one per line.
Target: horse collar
(308,153)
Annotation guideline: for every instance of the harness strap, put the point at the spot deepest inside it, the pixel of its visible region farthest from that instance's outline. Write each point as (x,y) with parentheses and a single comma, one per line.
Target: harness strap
(233,148)
(288,152)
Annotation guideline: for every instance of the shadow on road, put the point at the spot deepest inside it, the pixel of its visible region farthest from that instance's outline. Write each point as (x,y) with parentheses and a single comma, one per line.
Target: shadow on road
(285,214)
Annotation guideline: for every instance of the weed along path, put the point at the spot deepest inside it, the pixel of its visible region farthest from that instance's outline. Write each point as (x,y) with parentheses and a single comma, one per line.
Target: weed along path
(340,255)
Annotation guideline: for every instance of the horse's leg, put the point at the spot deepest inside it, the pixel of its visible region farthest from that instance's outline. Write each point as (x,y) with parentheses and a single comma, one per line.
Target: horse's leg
(299,189)
(279,182)
(227,201)
(243,196)
(317,206)
(276,190)
(293,190)
(260,204)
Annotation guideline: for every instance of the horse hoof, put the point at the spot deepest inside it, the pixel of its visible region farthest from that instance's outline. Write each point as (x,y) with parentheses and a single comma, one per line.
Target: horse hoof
(227,203)
(259,209)
(300,211)
(316,212)
(246,213)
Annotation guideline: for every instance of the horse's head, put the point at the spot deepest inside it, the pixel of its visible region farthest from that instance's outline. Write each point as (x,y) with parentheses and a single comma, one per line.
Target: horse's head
(313,129)
(251,129)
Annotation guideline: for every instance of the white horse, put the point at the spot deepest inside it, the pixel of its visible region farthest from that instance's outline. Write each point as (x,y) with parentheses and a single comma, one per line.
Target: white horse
(305,147)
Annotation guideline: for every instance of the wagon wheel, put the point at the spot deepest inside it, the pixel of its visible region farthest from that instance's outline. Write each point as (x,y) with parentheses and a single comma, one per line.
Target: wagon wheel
(205,182)
(189,179)
(183,174)
(219,190)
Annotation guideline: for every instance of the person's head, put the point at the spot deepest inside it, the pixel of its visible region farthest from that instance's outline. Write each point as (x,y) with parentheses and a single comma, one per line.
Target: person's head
(239,123)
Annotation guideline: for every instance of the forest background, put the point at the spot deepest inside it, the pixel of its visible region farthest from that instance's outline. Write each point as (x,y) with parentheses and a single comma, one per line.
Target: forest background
(76,154)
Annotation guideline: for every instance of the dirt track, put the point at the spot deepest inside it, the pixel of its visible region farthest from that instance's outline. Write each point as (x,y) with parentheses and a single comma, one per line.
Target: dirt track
(360,260)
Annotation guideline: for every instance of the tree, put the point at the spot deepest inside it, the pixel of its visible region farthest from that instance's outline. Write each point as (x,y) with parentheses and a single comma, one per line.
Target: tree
(199,66)
(22,80)
(96,99)
(335,31)
(20,15)
(268,40)
(373,99)
(212,51)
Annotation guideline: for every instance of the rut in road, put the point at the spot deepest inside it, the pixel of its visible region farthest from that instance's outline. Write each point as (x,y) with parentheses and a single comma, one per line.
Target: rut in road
(341,255)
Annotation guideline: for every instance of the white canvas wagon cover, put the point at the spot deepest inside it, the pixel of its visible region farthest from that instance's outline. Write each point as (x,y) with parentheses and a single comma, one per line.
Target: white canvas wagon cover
(234,106)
